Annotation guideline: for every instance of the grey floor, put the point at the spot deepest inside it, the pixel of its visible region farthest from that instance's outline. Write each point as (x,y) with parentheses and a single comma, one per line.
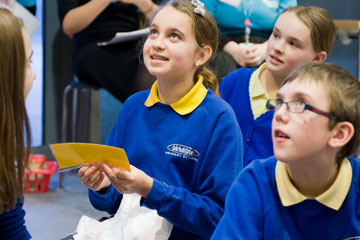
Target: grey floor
(55,213)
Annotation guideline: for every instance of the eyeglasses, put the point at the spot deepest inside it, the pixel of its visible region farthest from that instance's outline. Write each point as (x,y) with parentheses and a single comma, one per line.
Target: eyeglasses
(295,107)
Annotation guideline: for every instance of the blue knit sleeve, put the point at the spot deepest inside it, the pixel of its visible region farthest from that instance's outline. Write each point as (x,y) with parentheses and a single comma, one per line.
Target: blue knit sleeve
(108,201)
(198,211)
(12,223)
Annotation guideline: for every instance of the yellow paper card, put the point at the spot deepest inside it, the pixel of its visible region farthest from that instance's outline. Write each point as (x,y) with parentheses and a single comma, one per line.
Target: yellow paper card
(74,154)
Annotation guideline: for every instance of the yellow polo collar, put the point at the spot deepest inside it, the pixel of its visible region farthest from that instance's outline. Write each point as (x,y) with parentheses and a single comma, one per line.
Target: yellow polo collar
(255,87)
(258,96)
(332,198)
(187,103)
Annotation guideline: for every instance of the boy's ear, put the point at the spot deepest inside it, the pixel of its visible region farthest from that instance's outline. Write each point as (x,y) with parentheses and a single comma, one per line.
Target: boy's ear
(204,55)
(320,57)
(342,134)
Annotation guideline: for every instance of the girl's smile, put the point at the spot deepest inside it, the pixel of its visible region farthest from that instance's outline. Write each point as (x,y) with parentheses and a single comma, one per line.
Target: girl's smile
(171,50)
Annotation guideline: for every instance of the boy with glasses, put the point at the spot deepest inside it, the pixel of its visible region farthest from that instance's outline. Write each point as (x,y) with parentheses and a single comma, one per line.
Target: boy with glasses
(310,188)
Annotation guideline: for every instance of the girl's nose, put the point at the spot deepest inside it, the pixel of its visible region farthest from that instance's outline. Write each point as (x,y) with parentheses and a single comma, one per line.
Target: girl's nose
(279,45)
(159,43)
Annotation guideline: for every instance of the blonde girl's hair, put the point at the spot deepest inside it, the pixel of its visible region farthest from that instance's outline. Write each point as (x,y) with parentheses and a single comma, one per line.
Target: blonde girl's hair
(206,34)
(14,123)
(321,25)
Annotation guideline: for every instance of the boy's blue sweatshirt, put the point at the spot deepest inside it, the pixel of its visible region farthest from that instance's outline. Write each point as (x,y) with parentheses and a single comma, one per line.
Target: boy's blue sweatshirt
(254,209)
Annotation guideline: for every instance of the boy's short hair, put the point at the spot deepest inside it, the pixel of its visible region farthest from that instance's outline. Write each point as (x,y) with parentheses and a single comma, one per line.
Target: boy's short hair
(322,27)
(344,92)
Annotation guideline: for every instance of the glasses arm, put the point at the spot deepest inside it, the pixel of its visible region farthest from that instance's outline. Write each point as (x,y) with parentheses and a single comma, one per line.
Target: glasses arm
(318,111)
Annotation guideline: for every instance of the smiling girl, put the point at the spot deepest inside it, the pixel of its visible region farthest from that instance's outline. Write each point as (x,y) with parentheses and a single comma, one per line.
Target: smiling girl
(183,142)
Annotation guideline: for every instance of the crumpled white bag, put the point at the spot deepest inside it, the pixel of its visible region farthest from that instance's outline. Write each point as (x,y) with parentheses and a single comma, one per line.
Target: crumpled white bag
(131,222)
(89,228)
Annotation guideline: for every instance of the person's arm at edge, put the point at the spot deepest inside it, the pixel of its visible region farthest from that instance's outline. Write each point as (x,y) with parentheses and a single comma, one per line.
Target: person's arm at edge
(80,17)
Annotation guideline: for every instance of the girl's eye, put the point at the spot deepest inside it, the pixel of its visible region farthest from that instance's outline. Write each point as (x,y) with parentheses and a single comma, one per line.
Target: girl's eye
(174,36)
(293,44)
(153,32)
(275,35)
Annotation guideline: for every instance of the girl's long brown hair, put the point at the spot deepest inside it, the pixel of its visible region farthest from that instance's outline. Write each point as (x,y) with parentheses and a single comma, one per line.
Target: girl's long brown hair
(14,123)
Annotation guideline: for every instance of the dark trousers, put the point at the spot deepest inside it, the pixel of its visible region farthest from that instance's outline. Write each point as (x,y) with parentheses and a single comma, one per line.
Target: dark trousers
(117,68)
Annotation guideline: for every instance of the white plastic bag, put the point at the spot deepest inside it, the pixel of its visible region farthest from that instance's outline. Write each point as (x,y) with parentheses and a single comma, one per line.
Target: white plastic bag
(131,222)
(88,228)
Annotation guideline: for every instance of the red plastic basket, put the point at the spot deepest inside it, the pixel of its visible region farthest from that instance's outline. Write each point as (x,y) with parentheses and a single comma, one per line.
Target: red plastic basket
(37,181)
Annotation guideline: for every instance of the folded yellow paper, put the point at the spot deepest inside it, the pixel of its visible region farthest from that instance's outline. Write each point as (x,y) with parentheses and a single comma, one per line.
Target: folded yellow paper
(74,154)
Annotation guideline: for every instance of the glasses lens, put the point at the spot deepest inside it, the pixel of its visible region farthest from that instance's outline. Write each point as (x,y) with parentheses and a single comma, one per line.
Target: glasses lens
(278,103)
(297,106)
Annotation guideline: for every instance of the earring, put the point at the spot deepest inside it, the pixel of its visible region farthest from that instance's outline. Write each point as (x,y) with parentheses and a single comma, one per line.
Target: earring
(197,63)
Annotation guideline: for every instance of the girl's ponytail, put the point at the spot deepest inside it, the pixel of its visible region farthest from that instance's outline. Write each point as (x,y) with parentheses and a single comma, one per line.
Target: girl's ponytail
(209,79)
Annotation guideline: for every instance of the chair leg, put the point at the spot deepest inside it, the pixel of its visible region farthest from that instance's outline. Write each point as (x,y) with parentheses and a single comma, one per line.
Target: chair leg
(61,179)
(65,123)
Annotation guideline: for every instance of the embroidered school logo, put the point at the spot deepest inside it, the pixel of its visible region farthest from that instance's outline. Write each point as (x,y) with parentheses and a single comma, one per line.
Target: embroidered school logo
(182,151)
